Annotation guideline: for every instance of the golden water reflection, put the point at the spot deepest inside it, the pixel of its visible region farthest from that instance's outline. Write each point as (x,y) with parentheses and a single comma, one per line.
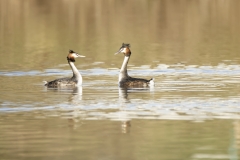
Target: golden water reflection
(191,48)
(200,32)
(147,139)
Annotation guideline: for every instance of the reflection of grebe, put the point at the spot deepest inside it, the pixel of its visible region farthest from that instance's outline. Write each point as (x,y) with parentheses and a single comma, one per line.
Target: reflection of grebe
(75,80)
(124,79)
(126,126)
(123,96)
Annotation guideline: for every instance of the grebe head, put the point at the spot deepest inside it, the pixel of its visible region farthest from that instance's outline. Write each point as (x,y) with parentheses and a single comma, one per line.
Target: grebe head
(72,55)
(124,49)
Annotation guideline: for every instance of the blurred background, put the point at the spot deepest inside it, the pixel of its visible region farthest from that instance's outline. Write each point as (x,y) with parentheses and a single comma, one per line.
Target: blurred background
(37,34)
(190,47)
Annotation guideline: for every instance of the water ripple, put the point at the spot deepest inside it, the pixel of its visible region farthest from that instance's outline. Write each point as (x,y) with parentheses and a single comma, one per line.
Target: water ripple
(182,92)
(221,69)
(123,109)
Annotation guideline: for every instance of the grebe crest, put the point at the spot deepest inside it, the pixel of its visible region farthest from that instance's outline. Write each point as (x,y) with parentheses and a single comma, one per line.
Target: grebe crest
(124,79)
(75,80)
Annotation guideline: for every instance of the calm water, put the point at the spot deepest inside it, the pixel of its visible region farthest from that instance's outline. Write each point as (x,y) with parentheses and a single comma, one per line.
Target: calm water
(191,48)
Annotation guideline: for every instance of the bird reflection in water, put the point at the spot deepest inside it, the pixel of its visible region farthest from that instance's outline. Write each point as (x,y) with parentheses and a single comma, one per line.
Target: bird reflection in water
(75,99)
(76,91)
(123,96)
(123,100)
(126,125)
(73,111)
(76,95)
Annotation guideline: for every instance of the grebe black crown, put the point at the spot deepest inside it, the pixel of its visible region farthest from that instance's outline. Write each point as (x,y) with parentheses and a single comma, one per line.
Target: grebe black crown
(71,51)
(124,45)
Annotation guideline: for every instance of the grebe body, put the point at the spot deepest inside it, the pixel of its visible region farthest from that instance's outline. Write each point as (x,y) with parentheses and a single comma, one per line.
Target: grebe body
(75,80)
(124,79)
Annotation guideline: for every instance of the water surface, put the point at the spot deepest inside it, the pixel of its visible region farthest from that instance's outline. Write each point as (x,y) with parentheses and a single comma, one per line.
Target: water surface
(191,48)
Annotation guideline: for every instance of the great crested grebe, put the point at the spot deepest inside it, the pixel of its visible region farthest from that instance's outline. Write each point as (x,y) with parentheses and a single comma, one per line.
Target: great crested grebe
(75,80)
(124,79)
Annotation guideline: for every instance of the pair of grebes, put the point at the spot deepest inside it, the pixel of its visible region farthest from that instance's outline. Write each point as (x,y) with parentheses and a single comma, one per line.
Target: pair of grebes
(124,79)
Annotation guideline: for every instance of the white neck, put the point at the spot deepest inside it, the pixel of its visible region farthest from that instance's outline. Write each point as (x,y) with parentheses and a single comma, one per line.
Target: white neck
(123,71)
(76,75)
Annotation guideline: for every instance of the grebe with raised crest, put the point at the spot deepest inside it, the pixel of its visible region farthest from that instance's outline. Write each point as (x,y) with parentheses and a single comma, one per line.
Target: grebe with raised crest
(75,80)
(124,79)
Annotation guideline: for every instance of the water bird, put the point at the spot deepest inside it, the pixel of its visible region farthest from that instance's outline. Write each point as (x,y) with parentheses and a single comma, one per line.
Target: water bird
(75,80)
(124,79)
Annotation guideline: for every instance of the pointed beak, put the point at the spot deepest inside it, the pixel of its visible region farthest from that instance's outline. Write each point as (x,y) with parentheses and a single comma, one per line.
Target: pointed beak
(80,55)
(120,50)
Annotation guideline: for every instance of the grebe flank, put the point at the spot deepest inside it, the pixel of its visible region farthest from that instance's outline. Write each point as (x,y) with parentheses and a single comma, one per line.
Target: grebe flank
(124,79)
(75,80)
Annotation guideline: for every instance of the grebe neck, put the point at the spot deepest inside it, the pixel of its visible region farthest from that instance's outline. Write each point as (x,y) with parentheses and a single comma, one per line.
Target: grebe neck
(123,71)
(76,75)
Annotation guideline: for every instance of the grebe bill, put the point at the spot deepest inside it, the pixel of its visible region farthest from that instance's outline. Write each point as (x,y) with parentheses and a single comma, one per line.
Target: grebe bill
(75,80)
(124,79)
